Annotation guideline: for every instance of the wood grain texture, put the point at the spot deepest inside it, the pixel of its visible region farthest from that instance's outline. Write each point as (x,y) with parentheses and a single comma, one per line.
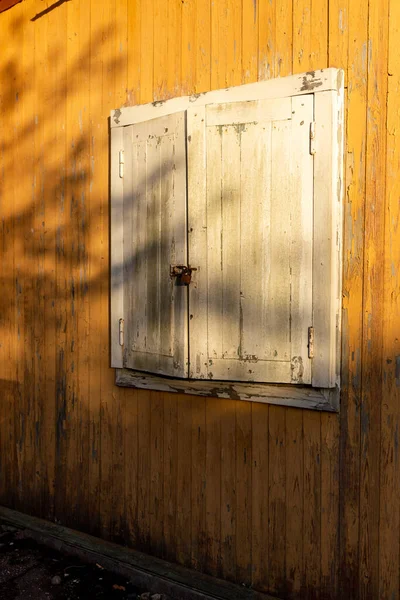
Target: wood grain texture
(355,156)
(315,508)
(389,524)
(373,278)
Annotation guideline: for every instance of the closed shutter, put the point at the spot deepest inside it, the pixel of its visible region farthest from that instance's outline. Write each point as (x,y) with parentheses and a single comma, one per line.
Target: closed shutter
(251,229)
(154,232)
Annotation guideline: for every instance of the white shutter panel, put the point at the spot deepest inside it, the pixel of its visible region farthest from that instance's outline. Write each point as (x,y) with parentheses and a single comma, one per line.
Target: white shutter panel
(155,305)
(250,228)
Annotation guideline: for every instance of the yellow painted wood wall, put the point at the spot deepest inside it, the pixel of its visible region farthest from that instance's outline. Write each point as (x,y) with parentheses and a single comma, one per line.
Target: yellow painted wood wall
(301,504)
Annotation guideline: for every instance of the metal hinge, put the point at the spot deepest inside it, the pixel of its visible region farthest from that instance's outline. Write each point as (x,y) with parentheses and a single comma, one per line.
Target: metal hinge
(121,332)
(312,138)
(121,163)
(311,342)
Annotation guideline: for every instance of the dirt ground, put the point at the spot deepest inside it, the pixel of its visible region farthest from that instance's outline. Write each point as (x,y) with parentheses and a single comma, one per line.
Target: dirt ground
(30,571)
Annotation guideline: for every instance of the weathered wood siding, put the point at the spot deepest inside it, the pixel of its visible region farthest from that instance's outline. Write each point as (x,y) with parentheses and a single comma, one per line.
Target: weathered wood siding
(295,502)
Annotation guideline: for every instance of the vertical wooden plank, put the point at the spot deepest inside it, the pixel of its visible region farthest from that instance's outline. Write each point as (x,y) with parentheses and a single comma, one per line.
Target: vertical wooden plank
(250,33)
(170,471)
(278,319)
(255,218)
(329,506)
(105,30)
(201,58)
(133,52)
(338,50)
(160,61)
(277,499)
(301,35)
(152,250)
(174,48)
(352,298)
(189,24)
(13,282)
(267,41)
(230,242)
(184,487)
(301,248)
(294,501)
(144,466)
(198,512)
(61,250)
(312,505)
(156,490)
(213,487)
(389,459)
(338,34)
(283,57)
(260,495)
(147,56)
(227,416)
(119,526)
(81,363)
(244,459)
(131,451)
(214,218)
(203,46)
(54,191)
(373,299)
(226,39)
(326,282)
(96,278)
(319,35)
(25,150)
(76,310)
(197,241)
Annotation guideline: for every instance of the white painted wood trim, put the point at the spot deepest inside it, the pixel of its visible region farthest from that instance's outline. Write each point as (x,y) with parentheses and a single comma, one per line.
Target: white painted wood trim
(284,395)
(117,248)
(294,85)
(327,269)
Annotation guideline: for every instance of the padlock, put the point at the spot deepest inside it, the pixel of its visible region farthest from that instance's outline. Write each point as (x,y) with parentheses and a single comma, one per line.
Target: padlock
(186,277)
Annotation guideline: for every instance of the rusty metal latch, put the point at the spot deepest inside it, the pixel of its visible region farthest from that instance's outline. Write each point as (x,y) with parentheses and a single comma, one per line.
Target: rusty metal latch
(182,272)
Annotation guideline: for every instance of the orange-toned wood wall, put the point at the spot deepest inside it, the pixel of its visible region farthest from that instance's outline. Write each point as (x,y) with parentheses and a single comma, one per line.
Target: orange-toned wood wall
(301,504)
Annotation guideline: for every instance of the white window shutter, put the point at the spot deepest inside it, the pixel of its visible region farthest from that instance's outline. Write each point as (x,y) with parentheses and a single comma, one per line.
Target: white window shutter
(250,224)
(154,239)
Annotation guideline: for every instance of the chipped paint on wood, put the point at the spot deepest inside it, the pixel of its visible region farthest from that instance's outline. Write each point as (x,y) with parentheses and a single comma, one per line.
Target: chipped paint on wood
(254,392)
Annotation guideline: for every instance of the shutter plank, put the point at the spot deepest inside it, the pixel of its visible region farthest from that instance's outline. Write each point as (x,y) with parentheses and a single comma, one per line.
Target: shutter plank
(214,254)
(230,241)
(278,307)
(153,250)
(255,229)
(197,228)
(327,235)
(117,220)
(130,165)
(301,237)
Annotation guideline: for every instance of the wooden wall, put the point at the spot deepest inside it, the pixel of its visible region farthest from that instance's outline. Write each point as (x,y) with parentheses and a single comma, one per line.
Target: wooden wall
(301,504)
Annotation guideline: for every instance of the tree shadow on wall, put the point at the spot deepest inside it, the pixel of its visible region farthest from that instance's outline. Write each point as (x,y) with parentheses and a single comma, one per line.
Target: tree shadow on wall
(63,434)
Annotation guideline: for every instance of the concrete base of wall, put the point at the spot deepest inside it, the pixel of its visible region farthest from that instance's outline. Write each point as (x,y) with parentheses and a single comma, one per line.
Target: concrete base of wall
(147,572)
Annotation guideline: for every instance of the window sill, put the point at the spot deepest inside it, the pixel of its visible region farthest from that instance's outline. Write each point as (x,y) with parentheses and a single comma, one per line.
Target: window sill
(285,395)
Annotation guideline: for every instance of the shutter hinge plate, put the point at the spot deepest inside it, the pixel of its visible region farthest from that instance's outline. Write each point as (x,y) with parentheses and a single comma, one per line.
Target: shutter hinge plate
(121,163)
(311,342)
(312,138)
(121,332)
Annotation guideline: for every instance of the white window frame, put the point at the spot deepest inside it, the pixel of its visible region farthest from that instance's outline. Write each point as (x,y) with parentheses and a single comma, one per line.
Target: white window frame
(328,92)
